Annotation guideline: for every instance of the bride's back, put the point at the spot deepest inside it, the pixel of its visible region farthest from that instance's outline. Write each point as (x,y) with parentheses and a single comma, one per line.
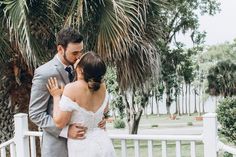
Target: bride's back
(79,92)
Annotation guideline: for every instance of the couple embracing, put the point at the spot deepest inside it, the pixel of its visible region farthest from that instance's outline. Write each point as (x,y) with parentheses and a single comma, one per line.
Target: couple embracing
(68,101)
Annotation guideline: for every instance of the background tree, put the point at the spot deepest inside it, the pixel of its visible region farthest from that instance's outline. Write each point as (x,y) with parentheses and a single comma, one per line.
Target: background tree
(226,115)
(222,79)
(180,17)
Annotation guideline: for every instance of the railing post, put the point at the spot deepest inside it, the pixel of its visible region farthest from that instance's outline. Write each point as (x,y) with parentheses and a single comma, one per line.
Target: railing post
(21,141)
(210,135)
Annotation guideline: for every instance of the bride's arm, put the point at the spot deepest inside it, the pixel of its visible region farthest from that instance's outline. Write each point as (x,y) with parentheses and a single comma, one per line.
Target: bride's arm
(61,118)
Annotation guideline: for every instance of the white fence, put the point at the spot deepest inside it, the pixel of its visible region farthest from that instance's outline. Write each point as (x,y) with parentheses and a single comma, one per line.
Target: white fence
(23,143)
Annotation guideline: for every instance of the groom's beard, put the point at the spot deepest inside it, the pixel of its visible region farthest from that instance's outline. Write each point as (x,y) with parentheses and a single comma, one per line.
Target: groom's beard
(65,58)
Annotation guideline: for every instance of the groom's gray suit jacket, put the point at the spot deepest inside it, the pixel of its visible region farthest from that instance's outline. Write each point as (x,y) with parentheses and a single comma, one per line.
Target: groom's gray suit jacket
(41,107)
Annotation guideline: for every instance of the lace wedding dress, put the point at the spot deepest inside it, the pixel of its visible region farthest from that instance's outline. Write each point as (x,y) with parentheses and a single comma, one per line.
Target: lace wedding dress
(97,143)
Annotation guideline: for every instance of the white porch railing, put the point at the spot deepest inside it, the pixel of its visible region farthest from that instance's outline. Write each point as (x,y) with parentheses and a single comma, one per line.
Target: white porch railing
(23,143)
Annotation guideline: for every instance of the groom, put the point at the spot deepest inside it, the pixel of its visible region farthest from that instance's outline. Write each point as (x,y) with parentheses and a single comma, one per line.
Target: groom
(54,141)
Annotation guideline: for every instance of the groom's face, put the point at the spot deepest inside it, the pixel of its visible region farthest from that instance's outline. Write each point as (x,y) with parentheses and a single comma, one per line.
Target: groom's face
(71,53)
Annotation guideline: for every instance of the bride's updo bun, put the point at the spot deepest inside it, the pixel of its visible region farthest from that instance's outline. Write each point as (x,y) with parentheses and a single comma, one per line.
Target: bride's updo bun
(94,69)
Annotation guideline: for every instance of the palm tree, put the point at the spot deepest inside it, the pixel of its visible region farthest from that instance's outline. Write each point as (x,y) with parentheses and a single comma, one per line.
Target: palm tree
(222,79)
(114,29)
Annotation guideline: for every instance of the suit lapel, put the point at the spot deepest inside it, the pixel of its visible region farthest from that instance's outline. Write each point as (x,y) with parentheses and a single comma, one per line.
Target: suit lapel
(61,70)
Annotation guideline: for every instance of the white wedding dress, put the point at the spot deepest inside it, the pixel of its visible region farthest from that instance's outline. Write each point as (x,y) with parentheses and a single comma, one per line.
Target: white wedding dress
(97,143)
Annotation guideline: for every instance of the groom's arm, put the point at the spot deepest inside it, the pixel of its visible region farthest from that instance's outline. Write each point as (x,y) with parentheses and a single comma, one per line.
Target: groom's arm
(39,103)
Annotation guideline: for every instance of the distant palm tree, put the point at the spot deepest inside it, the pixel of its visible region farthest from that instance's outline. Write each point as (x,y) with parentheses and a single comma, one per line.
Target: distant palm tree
(222,79)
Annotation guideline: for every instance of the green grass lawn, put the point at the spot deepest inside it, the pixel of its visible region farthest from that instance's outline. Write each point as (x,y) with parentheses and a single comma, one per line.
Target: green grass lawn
(163,121)
(185,149)
(147,122)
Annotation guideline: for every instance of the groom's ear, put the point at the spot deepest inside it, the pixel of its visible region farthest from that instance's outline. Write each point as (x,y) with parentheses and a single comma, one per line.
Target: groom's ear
(60,49)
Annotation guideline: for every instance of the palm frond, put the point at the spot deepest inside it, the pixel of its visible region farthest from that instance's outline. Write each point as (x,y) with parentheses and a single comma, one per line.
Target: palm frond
(16,13)
(23,20)
(5,49)
(117,29)
(142,66)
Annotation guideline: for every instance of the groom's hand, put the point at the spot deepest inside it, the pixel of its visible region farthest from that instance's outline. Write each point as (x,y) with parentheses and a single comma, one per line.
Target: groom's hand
(102,124)
(77,131)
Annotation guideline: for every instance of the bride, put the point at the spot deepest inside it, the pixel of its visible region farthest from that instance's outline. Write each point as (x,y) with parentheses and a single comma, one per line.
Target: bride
(84,101)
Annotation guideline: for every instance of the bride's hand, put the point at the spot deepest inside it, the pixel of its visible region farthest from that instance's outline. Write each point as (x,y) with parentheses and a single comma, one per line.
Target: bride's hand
(54,88)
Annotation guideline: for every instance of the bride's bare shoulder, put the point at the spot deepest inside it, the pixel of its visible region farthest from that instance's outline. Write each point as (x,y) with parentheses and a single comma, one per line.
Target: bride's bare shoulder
(71,89)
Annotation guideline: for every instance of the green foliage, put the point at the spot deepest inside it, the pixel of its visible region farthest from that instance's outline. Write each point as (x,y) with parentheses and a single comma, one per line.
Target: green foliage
(213,54)
(118,105)
(189,124)
(119,123)
(180,16)
(113,88)
(154,126)
(226,154)
(114,29)
(222,79)
(226,114)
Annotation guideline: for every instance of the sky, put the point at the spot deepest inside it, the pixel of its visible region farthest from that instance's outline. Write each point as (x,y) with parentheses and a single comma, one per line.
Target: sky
(220,27)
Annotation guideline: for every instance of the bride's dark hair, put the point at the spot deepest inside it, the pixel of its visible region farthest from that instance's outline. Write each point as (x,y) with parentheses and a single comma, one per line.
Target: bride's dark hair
(94,69)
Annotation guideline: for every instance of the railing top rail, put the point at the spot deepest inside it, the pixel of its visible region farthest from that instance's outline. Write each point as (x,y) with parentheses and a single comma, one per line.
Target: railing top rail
(140,137)
(158,137)
(227,148)
(7,143)
(33,133)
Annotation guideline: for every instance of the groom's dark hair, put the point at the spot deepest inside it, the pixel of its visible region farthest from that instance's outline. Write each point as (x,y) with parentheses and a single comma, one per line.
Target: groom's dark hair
(68,35)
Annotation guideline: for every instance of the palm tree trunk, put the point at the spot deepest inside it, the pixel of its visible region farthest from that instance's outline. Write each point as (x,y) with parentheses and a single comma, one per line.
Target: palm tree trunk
(182,103)
(151,105)
(203,103)
(157,106)
(168,102)
(189,97)
(186,97)
(134,122)
(6,123)
(178,105)
(199,100)
(195,101)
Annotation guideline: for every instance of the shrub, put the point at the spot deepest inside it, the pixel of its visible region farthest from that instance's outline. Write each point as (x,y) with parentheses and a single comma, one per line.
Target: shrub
(189,124)
(119,123)
(226,154)
(226,114)
(154,126)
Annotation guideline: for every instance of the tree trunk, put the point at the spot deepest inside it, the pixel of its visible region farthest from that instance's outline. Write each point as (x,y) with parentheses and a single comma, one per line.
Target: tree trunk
(182,103)
(134,121)
(6,123)
(145,111)
(151,105)
(157,105)
(178,104)
(186,97)
(189,97)
(203,108)
(168,102)
(133,117)
(16,88)
(199,100)
(195,101)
